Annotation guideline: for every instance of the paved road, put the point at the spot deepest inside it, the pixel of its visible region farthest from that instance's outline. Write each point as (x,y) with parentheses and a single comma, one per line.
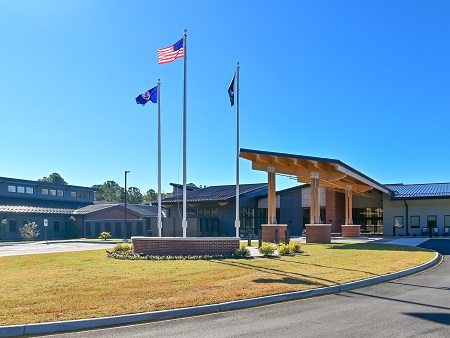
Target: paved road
(417,305)
(28,248)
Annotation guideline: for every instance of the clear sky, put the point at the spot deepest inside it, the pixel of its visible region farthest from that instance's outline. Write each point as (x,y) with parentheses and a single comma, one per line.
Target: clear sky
(365,82)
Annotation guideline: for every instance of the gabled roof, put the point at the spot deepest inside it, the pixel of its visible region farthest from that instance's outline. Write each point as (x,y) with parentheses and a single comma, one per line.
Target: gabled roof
(420,191)
(19,209)
(188,187)
(333,173)
(137,209)
(215,193)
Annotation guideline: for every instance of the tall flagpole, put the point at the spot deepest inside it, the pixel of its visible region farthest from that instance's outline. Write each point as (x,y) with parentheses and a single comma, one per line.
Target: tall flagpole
(184,223)
(159,160)
(237,222)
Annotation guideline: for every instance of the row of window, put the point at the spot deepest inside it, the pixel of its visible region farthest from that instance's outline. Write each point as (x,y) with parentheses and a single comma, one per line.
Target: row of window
(97,229)
(20,189)
(415,221)
(13,226)
(48,192)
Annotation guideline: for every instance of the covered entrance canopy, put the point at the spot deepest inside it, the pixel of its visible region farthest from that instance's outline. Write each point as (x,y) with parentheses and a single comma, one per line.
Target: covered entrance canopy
(315,171)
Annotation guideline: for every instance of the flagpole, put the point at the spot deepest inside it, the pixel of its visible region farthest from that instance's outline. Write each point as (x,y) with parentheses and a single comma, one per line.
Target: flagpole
(184,223)
(237,221)
(159,160)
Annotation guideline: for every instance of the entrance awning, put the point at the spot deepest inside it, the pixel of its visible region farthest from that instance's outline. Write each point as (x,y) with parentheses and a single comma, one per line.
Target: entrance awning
(333,174)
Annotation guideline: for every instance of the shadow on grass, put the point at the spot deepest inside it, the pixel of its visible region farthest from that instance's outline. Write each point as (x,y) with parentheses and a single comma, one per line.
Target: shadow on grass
(286,274)
(374,246)
(286,280)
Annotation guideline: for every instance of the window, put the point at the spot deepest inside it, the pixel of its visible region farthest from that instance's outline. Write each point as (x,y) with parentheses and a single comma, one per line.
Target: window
(88,229)
(56,226)
(87,195)
(60,193)
(52,192)
(432,221)
(29,190)
(73,194)
(108,227)
(118,229)
(97,229)
(11,188)
(12,225)
(140,229)
(79,194)
(21,190)
(398,221)
(44,191)
(447,221)
(415,221)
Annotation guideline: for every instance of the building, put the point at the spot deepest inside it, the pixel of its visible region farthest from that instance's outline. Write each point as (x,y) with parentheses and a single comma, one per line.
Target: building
(22,201)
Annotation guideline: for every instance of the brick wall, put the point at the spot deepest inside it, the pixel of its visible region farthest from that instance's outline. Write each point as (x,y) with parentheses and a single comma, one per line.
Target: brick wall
(318,233)
(269,232)
(335,209)
(164,246)
(351,230)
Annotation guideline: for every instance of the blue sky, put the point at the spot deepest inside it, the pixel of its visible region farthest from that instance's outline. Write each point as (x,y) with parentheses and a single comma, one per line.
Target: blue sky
(365,82)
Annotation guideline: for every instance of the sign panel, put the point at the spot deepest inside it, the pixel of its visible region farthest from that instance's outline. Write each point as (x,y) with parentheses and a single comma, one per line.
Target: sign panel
(45,222)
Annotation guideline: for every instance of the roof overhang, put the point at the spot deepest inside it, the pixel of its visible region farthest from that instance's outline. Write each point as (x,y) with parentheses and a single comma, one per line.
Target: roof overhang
(333,174)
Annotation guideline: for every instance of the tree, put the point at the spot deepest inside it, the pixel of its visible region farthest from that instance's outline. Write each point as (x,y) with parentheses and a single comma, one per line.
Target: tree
(134,196)
(3,231)
(150,196)
(29,231)
(53,178)
(109,191)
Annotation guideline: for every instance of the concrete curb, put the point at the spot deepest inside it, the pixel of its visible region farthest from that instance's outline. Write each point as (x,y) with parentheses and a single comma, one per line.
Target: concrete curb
(84,324)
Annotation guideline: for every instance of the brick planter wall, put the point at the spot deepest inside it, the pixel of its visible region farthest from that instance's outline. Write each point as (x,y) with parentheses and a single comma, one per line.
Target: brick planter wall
(318,233)
(268,232)
(190,246)
(351,230)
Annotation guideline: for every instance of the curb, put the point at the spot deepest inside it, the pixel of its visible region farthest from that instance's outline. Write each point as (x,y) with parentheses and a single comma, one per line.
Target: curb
(84,324)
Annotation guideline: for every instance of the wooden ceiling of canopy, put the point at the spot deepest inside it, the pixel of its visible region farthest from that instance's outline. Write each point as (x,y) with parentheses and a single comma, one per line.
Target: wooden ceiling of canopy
(333,174)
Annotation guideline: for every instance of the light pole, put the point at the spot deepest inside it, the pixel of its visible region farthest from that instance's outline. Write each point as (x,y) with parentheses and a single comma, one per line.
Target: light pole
(126,172)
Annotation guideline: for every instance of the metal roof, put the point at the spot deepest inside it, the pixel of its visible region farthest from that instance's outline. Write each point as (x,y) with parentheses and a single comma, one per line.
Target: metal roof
(334,174)
(138,209)
(19,209)
(215,193)
(416,191)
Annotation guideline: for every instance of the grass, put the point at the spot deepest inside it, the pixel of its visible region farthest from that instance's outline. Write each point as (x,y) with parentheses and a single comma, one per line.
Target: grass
(75,285)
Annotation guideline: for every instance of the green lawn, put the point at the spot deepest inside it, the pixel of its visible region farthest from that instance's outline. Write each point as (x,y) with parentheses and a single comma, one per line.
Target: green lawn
(74,285)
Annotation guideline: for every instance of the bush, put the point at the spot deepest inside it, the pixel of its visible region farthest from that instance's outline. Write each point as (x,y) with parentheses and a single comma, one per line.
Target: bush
(29,231)
(105,235)
(122,247)
(242,252)
(284,249)
(267,249)
(295,247)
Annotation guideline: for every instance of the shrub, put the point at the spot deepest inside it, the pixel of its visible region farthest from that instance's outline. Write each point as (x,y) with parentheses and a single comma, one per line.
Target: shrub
(122,247)
(267,249)
(29,231)
(105,235)
(284,249)
(295,247)
(241,252)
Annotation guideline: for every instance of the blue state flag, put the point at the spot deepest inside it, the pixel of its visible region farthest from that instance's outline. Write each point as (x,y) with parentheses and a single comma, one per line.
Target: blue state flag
(149,95)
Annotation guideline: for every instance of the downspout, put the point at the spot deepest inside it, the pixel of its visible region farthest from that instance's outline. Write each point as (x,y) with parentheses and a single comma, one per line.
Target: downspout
(406,223)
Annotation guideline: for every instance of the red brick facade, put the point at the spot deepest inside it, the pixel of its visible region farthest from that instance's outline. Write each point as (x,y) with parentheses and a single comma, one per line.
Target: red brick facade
(318,233)
(351,230)
(274,232)
(335,210)
(190,246)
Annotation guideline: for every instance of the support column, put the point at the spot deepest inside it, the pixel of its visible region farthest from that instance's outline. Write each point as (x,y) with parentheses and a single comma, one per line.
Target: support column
(348,205)
(349,229)
(314,198)
(271,199)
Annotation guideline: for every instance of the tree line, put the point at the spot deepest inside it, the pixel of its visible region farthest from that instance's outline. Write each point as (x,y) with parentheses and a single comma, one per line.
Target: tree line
(111,191)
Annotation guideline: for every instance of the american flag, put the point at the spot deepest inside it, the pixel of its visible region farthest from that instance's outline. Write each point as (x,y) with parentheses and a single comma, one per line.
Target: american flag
(169,54)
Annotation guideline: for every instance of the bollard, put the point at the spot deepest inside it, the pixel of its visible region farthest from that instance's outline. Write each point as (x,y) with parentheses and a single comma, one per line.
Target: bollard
(249,235)
(276,236)
(259,238)
(286,236)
